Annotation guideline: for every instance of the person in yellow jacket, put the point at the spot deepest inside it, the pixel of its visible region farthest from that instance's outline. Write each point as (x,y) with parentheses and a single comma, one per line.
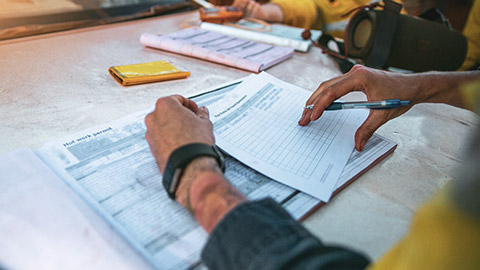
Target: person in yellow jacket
(326,15)
(329,16)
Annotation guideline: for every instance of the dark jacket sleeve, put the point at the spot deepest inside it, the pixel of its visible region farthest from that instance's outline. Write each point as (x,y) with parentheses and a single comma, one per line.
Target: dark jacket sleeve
(262,235)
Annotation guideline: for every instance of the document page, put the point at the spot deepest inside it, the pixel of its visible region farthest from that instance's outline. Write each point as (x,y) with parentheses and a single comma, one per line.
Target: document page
(300,204)
(219,48)
(112,168)
(257,123)
(376,148)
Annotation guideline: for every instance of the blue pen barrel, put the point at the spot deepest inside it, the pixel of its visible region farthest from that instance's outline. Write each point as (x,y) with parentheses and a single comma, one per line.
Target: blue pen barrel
(335,106)
(388,104)
(392,104)
(375,105)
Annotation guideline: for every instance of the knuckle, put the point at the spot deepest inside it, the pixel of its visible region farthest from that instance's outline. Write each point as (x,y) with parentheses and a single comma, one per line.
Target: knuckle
(324,84)
(329,93)
(356,67)
(160,102)
(361,71)
(166,101)
(148,120)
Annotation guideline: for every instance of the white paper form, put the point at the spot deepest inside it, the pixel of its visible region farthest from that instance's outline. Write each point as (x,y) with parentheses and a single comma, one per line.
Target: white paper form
(374,150)
(300,203)
(257,123)
(112,168)
(219,48)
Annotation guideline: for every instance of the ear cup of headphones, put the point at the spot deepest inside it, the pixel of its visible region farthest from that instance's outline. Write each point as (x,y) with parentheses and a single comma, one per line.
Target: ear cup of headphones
(417,45)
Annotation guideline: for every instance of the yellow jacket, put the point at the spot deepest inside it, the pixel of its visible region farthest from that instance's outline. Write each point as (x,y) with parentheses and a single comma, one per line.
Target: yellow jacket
(442,236)
(325,15)
(445,232)
(472,33)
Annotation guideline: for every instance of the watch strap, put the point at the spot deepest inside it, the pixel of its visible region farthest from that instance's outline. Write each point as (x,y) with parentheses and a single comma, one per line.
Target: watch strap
(181,157)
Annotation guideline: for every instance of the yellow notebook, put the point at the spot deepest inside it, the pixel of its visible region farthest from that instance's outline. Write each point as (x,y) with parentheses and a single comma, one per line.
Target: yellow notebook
(147,72)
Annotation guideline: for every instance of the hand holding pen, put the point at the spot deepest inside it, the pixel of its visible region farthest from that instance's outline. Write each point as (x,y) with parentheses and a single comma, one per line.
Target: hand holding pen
(390,95)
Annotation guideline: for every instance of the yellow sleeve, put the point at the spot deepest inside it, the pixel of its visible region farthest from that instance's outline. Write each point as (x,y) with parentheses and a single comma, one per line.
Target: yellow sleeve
(472,33)
(325,15)
(316,14)
(298,13)
(441,237)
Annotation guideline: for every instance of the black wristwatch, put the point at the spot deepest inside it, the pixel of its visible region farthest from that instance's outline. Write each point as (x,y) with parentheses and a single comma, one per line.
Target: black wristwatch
(181,157)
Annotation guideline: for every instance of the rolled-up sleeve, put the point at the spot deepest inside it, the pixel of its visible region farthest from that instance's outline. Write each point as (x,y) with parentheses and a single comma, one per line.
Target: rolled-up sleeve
(262,235)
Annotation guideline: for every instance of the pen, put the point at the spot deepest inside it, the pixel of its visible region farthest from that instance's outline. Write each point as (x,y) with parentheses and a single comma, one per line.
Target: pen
(375,105)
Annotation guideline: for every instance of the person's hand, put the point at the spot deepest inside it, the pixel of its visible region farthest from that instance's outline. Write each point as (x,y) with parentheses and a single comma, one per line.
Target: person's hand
(266,12)
(250,8)
(203,190)
(176,121)
(376,84)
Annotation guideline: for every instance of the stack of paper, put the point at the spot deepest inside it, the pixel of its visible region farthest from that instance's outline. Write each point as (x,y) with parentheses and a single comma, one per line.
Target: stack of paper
(112,168)
(219,48)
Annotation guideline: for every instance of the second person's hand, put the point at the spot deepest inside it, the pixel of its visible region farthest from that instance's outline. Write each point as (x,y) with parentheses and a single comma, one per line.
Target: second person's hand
(250,8)
(376,84)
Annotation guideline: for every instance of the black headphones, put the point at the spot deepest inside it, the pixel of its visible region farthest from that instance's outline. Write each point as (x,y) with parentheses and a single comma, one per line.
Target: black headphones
(385,38)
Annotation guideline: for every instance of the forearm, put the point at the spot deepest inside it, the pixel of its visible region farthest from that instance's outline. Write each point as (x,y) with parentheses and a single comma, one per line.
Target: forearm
(251,235)
(205,193)
(440,87)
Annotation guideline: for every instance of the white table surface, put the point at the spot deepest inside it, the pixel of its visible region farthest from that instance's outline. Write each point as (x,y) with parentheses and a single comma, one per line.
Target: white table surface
(57,84)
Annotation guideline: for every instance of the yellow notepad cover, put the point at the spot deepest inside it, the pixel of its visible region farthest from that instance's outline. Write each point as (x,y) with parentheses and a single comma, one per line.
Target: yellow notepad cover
(147,72)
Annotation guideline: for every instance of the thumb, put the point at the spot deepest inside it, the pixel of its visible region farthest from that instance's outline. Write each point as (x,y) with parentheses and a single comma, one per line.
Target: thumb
(203,112)
(367,129)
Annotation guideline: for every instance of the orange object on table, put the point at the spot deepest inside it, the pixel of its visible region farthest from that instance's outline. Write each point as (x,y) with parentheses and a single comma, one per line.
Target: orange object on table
(220,14)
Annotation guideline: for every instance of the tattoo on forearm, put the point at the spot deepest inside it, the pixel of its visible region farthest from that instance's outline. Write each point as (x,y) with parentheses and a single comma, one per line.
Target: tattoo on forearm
(188,204)
(214,201)
(212,196)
